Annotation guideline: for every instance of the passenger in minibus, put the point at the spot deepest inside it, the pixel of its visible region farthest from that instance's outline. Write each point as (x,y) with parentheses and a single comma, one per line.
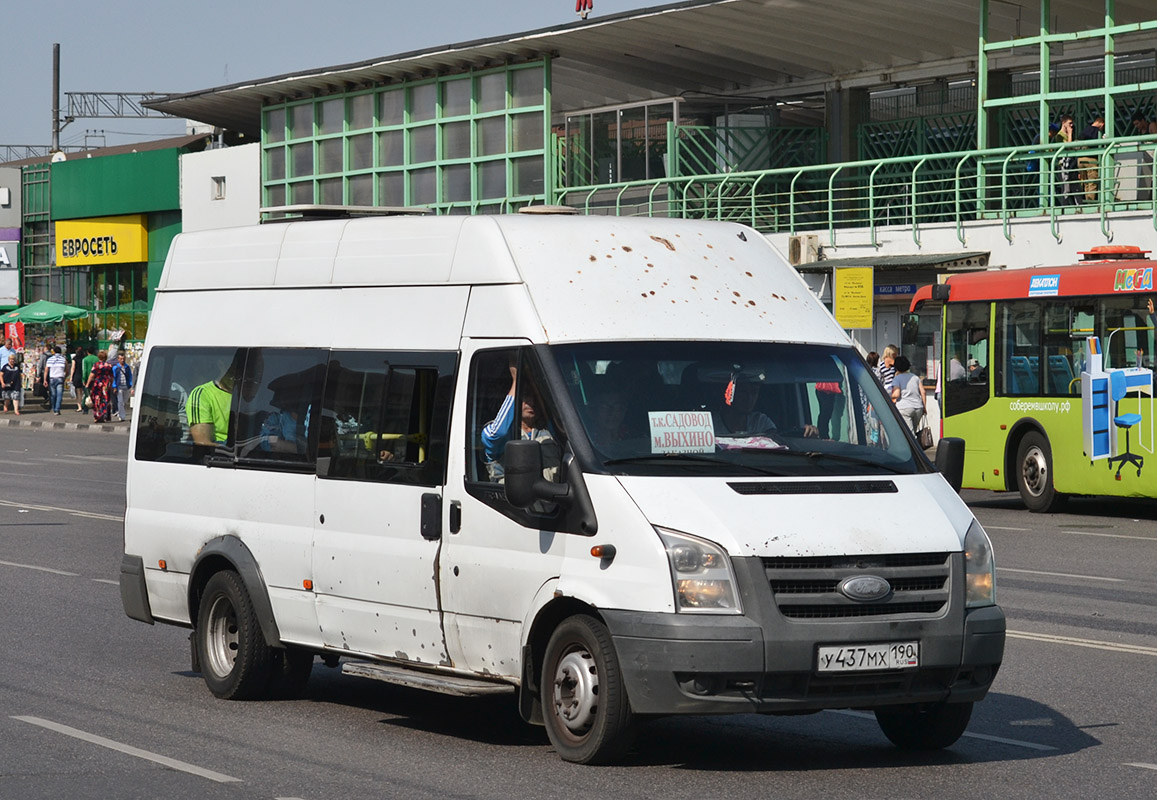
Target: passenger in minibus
(534,424)
(209,404)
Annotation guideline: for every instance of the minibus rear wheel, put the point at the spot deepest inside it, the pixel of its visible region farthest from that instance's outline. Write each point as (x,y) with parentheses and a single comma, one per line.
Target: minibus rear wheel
(933,726)
(587,715)
(235,660)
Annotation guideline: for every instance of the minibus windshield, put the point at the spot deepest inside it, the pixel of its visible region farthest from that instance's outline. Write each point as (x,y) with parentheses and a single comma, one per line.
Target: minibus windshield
(733,408)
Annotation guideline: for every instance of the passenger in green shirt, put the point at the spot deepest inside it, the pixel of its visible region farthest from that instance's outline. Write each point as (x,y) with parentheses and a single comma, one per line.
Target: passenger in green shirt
(208,405)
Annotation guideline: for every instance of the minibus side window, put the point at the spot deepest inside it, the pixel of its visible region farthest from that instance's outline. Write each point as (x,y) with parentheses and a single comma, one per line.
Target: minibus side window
(174,379)
(385,417)
(279,400)
(509,400)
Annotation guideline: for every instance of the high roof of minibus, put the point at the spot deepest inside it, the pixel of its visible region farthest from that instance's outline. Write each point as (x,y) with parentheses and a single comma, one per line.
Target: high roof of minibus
(1113,275)
(581,277)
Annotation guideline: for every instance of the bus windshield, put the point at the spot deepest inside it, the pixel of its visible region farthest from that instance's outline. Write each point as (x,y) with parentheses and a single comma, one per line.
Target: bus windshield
(733,408)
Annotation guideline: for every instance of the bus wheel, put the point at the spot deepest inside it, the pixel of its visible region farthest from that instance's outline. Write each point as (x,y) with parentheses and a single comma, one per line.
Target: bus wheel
(1034,477)
(236,662)
(584,702)
(924,727)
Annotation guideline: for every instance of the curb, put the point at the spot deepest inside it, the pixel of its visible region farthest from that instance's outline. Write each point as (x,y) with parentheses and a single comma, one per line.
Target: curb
(50,424)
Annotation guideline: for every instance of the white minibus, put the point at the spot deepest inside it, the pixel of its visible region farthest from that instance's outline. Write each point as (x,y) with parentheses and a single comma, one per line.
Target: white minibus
(616,468)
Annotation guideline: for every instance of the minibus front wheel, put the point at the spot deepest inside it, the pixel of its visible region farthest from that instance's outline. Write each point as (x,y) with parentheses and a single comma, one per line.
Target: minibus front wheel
(584,702)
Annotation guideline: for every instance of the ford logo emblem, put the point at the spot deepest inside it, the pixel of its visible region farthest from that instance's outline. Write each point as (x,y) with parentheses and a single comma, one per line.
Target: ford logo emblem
(864,588)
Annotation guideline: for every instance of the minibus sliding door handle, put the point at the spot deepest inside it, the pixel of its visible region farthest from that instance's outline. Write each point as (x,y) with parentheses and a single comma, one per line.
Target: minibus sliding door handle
(431,520)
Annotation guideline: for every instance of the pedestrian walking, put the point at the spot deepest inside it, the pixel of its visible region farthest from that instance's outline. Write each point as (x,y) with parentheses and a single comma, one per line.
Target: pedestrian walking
(10,378)
(122,382)
(55,371)
(98,384)
(77,377)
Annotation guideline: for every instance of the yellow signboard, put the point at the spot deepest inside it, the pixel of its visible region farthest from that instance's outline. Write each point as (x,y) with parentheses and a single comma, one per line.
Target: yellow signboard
(102,240)
(853,297)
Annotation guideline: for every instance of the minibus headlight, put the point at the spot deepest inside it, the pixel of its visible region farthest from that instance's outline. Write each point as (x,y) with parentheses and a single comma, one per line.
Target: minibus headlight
(979,568)
(701,574)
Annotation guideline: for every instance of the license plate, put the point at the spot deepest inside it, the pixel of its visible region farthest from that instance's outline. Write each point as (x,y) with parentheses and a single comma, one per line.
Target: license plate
(862,657)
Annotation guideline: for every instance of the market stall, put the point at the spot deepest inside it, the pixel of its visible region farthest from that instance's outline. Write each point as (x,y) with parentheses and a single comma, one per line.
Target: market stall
(42,331)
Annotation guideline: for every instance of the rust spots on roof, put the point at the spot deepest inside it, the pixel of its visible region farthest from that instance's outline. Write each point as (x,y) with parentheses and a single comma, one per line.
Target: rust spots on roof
(748,274)
(694,277)
(593,258)
(665,242)
(626,248)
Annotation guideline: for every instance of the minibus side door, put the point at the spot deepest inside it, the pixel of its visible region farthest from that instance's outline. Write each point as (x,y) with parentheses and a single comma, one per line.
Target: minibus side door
(381,465)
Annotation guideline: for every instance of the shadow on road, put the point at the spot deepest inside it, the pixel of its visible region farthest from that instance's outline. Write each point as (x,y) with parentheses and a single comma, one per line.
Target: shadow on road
(1004,728)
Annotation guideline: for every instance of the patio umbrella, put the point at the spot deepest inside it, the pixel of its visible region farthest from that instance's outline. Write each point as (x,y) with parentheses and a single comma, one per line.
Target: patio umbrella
(44,311)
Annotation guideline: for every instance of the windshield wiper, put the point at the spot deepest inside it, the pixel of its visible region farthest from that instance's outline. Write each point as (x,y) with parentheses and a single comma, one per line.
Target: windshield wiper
(815,454)
(678,459)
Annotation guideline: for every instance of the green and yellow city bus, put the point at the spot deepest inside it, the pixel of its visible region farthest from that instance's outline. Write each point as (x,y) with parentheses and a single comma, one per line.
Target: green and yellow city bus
(1047,374)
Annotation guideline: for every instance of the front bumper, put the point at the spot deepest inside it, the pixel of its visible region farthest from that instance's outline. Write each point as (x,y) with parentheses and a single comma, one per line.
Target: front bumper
(765,663)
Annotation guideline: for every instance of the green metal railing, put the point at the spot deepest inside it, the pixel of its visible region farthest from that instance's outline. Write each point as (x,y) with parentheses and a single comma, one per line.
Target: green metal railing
(955,188)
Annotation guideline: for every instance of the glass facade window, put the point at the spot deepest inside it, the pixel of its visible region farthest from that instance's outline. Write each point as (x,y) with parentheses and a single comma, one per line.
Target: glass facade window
(275,125)
(361,190)
(622,144)
(329,155)
(361,155)
(453,142)
(361,112)
(392,107)
(301,121)
(120,302)
(330,116)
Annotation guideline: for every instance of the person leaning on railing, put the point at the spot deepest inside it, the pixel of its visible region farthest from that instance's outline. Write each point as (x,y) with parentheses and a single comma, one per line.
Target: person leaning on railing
(1067,187)
(1090,173)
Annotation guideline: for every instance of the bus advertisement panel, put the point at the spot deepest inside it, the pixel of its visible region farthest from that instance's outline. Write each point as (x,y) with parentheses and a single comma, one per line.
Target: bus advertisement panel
(1048,376)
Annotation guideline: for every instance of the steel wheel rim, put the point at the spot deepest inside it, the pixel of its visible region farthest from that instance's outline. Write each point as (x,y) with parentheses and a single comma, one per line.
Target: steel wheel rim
(221,639)
(576,691)
(1035,471)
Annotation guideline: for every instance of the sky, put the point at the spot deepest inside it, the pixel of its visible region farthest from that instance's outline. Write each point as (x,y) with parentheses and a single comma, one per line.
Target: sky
(168,47)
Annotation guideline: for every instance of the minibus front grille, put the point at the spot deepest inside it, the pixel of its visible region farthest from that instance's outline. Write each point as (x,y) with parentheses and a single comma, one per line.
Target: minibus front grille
(808,588)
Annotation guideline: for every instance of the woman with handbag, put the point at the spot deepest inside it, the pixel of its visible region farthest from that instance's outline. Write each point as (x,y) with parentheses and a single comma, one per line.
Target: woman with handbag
(908,393)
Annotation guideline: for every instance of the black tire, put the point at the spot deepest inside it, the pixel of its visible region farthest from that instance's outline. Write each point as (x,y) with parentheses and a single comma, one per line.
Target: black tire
(584,703)
(236,663)
(1034,474)
(924,727)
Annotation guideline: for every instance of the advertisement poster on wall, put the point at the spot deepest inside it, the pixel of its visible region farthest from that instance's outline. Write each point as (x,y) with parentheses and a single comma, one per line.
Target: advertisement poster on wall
(9,269)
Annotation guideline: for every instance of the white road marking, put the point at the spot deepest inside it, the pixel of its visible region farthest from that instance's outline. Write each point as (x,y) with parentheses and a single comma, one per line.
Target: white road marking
(1142,766)
(1000,739)
(1111,535)
(998,528)
(164,761)
(41,569)
(73,511)
(1060,574)
(1116,647)
(106,580)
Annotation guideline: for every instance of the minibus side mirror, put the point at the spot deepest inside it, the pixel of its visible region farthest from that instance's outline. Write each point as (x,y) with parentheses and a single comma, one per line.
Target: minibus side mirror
(522,467)
(950,461)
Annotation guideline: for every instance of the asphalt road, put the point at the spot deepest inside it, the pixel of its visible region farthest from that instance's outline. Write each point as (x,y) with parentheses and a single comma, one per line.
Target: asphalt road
(97,705)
